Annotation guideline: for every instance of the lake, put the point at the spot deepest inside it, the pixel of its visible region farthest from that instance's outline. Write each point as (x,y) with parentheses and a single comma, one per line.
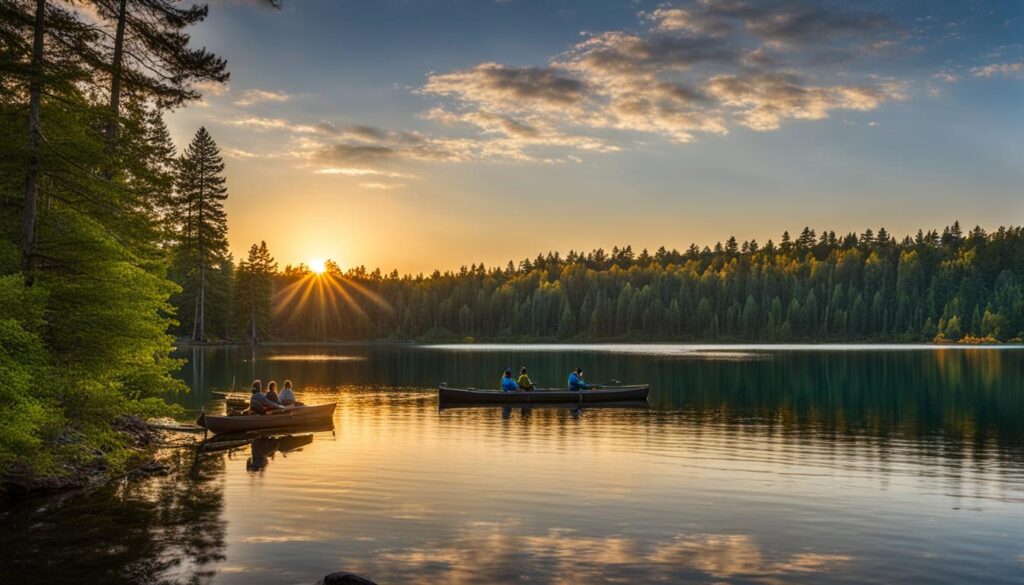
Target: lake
(751,464)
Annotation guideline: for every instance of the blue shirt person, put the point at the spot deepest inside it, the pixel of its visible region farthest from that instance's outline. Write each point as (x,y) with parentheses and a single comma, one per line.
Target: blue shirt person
(576,381)
(508,383)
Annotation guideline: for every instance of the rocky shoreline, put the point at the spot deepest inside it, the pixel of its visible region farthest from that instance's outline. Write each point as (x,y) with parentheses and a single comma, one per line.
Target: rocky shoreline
(143,441)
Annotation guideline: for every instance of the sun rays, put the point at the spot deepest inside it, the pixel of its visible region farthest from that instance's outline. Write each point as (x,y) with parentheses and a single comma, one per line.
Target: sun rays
(326,299)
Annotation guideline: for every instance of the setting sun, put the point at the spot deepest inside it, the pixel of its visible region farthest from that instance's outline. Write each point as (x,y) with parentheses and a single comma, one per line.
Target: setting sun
(318,265)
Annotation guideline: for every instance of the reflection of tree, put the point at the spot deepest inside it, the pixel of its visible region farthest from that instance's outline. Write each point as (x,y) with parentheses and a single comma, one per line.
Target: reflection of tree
(491,552)
(165,530)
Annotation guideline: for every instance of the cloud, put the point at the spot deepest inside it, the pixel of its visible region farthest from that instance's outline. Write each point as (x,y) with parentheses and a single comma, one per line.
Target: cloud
(211,88)
(692,70)
(381,186)
(256,96)
(1007,70)
(701,68)
(502,86)
(262,124)
(237,153)
(764,100)
(359,172)
(780,22)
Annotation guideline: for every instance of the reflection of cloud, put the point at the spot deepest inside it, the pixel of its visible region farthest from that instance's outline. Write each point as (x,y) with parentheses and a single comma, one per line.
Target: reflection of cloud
(485,551)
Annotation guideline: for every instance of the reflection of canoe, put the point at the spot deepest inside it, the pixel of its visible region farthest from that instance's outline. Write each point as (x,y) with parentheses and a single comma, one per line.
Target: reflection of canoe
(549,405)
(228,441)
(291,416)
(549,395)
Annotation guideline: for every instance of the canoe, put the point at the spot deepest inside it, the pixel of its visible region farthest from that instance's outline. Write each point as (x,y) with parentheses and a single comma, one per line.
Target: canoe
(543,395)
(291,416)
(523,404)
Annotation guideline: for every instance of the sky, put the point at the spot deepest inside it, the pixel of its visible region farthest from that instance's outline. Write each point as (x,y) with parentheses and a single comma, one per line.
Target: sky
(423,134)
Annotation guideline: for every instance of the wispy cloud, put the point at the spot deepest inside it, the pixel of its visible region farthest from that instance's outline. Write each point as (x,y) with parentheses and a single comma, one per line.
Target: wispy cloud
(1007,70)
(380,186)
(255,96)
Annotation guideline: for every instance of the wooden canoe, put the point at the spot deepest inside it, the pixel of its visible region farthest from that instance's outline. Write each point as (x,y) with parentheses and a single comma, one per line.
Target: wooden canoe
(543,395)
(291,416)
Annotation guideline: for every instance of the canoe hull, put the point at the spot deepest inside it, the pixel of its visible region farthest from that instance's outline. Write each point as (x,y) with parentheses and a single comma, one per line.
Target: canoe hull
(295,416)
(539,396)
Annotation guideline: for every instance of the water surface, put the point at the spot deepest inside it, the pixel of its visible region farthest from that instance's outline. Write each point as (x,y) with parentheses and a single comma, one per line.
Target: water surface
(751,465)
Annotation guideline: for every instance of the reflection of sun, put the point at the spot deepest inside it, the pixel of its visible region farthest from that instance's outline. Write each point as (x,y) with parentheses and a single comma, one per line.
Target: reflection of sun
(318,265)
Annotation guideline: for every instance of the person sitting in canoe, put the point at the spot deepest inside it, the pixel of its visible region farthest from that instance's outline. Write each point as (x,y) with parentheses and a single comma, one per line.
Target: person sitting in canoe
(508,383)
(576,381)
(272,393)
(524,381)
(258,402)
(287,397)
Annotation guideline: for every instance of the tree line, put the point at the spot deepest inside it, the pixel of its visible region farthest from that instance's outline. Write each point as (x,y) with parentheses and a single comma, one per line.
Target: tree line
(934,286)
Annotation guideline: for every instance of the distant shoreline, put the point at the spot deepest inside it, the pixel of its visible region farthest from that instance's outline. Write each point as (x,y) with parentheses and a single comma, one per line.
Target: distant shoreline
(587,344)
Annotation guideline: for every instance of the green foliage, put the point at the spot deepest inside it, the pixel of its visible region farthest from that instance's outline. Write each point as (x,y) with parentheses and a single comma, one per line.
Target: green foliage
(84,333)
(855,288)
(253,303)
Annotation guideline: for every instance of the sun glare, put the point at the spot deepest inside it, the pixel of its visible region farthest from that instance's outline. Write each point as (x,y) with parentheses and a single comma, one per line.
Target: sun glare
(318,265)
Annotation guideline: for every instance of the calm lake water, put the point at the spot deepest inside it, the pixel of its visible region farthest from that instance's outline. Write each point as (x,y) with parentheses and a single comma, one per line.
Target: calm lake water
(751,465)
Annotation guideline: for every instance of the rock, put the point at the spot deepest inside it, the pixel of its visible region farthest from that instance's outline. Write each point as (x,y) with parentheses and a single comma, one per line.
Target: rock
(151,469)
(137,430)
(343,578)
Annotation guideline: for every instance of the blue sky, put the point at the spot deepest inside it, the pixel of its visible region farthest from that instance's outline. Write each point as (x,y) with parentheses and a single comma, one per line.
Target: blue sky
(424,134)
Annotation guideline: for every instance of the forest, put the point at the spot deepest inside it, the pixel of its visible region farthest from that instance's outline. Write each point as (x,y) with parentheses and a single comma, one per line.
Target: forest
(935,286)
(114,249)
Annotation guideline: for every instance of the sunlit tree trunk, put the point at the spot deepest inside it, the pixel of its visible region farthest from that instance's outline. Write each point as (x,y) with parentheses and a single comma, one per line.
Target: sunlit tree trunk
(28,218)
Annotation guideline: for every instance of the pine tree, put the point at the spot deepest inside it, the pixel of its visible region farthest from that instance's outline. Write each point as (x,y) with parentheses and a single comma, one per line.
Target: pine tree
(150,57)
(202,245)
(254,292)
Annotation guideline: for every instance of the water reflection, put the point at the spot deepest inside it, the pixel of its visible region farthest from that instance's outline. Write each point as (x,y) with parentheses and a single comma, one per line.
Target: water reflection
(165,530)
(494,552)
(264,445)
(796,466)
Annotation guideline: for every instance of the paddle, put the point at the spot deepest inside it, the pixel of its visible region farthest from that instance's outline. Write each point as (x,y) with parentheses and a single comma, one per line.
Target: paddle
(613,381)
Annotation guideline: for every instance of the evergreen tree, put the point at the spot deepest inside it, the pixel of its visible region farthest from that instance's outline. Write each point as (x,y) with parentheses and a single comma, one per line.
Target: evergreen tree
(254,292)
(150,57)
(202,232)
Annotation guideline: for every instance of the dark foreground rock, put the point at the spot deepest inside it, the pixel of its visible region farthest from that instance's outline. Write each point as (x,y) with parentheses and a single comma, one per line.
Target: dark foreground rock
(343,578)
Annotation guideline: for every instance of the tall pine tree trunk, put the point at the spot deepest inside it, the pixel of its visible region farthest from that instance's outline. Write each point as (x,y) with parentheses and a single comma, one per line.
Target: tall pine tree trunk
(35,92)
(252,304)
(202,300)
(199,330)
(115,85)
